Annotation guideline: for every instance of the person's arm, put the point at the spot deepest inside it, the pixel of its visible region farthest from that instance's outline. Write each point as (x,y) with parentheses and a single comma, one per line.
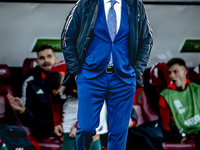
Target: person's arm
(69,39)
(30,105)
(58,129)
(56,109)
(166,117)
(24,87)
(73,132)
(144,45)
(17,104)
(26,116)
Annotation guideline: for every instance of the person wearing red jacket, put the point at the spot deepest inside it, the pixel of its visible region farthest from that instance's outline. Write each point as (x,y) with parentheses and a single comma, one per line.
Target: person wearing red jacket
(178,104)
(64,103)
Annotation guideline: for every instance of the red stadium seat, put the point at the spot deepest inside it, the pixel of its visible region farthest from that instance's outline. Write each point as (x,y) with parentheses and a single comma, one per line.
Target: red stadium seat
(53,145)
(28,65)
(4,87)
(4,72)
(189,145)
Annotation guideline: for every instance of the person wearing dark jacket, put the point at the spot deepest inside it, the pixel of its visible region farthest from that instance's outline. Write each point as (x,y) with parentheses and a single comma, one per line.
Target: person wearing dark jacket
(35,106)
(106,46)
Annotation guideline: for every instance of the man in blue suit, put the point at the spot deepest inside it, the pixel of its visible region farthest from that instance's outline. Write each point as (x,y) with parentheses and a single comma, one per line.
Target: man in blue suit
(106,45)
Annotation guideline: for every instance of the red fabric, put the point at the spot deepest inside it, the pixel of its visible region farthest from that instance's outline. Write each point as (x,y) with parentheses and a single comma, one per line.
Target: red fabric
(35,144)
(134,123)
(155,76)
(76,124)
(56,109)
(165,112)
(47,140)
(59,67)
(31,138)
(172,86)
(43,75)
(33,141)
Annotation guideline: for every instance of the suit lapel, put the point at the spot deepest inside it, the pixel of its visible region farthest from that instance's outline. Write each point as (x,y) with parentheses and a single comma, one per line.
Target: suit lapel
(103,16)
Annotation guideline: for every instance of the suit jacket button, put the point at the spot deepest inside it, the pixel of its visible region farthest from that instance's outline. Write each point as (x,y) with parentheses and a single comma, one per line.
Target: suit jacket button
(108,58)
(113,44)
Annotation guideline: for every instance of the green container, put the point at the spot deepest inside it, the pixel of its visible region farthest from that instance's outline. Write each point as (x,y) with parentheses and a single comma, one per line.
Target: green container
(3,147)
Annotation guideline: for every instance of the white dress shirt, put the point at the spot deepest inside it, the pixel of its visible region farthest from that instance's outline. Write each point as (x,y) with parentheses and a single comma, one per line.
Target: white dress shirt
(117,7)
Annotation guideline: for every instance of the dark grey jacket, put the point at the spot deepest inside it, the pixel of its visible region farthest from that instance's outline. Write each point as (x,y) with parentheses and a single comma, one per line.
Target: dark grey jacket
(78,32)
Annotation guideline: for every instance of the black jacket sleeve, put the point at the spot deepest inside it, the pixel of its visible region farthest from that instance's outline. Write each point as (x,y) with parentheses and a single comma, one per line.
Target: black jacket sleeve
(69,38)
(145,45)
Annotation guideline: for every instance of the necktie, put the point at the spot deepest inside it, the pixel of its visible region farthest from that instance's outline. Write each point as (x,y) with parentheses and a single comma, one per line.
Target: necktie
(112,24)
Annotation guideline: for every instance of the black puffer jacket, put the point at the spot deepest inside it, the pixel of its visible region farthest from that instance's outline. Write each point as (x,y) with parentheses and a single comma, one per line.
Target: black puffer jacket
(78,32)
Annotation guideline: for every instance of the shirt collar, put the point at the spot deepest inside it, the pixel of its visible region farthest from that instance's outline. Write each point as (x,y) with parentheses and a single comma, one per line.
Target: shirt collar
(172,86)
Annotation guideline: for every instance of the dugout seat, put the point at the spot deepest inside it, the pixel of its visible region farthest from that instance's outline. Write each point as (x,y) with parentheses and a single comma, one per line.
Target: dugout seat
(4,87)
(28,65)
(4,90)
(4,74)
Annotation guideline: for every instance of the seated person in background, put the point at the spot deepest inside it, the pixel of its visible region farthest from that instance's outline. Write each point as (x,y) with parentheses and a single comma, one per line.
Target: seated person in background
(64,104)
(35,106)
(179,105)
(65,107)
(17,139)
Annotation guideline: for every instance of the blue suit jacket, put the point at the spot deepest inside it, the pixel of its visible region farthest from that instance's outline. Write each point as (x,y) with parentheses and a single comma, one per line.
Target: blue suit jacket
(78,33)
(98,55)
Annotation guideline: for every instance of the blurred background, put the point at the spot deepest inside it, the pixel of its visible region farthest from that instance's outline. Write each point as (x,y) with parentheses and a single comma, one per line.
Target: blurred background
(24,24)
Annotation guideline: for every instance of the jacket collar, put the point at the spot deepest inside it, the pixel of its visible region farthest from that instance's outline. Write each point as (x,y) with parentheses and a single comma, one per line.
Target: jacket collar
(172,86)
(130,2)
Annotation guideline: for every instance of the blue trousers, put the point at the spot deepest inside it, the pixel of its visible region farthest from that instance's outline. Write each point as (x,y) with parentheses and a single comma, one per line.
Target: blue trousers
(119,98)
